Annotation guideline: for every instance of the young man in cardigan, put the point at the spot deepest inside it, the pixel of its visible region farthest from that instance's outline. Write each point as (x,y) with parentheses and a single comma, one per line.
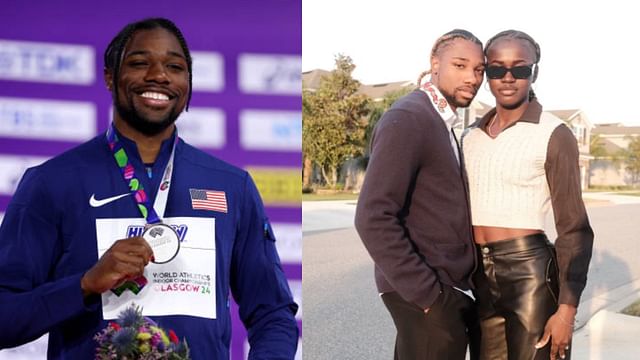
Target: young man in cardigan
(413,215)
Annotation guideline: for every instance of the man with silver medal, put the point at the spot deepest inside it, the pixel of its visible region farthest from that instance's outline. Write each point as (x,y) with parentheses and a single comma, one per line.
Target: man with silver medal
(163,239)
(62,273)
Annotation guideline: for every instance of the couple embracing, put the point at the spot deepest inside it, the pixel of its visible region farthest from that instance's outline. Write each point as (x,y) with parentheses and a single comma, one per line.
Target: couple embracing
(456,228)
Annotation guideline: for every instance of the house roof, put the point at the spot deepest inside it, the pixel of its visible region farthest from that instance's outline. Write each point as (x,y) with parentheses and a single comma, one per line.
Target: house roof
(610,147)
(614,130)
(565,115)
(311,79)
(377,91)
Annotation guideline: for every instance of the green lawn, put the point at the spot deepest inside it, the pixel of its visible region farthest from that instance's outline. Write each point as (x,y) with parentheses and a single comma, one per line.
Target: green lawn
(632,193)
(633,309)
(336,196)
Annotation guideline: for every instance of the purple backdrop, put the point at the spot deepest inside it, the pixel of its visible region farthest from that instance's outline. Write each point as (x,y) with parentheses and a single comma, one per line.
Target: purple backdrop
(251,51)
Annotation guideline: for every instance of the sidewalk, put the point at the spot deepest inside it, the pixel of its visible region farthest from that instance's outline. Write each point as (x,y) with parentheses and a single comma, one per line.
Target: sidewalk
(608,334)
(602,333)
(611,197)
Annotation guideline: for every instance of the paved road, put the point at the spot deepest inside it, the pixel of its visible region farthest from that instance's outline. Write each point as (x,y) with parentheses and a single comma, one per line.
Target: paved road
(345,319)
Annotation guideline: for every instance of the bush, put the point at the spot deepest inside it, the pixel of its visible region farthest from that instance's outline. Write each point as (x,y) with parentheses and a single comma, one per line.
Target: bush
(633,309)
(610,188)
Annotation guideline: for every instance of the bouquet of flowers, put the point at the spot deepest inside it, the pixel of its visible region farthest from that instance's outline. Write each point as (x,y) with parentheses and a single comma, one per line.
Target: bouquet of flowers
(134,337)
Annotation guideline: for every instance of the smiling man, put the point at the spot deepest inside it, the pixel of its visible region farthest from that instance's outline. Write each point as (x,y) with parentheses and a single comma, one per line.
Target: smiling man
(413,215)
(136,215)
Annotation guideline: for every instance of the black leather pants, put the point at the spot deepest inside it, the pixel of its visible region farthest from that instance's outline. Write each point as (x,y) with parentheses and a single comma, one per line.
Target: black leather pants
(517,292)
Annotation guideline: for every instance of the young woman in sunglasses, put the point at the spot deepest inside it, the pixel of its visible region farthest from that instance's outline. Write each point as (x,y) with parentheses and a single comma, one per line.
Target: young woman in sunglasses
(521,161)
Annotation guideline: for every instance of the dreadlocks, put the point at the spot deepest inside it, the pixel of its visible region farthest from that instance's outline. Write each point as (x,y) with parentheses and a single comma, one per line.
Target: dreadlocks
(114,52)
(445,41)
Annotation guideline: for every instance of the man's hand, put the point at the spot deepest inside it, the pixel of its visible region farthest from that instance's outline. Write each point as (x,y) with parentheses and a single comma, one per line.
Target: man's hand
(124,260)
(559,330)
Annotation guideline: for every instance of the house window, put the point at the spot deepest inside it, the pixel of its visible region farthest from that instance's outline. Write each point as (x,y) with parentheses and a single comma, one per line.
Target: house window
(580,133)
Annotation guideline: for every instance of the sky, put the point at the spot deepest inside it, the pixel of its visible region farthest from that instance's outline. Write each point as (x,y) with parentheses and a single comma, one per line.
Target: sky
(590,52)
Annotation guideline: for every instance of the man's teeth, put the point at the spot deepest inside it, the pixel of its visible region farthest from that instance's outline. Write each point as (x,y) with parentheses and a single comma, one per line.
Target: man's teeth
(155,95)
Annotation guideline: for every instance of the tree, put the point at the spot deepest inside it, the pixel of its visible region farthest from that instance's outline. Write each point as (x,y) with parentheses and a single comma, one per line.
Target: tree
(631,158)
(596,147)
(377,109)
(333,120)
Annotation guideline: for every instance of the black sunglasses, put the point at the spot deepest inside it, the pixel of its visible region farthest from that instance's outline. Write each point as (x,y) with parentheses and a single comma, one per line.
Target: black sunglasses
(518,72)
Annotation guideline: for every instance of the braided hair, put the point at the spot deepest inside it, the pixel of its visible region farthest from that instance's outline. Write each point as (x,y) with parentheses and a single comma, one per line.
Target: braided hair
(445,41)
(114,53)
(517,35)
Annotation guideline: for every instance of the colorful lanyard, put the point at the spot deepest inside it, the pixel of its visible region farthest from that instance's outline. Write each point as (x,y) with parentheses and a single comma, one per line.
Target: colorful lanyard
(135,186)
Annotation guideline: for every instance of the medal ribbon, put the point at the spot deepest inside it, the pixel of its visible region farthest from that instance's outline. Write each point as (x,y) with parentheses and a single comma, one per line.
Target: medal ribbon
(139,195)
(135,185)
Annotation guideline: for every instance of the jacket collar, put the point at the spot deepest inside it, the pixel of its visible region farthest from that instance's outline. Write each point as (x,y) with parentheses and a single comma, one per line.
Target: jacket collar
(441,105)
(530,115)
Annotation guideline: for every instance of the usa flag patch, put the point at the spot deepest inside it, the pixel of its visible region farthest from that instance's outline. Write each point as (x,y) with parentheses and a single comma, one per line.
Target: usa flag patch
(208,200)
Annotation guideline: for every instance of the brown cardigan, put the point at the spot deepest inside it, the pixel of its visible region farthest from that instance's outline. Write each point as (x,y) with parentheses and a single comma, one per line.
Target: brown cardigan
(412,213)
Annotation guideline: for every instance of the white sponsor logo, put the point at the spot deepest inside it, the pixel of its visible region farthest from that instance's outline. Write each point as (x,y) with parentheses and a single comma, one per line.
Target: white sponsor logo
(204,127)
(97,203)
(47,62)
(208,71)
(46,119)
(271,130)
(12,168)
(270,74)
(288,242)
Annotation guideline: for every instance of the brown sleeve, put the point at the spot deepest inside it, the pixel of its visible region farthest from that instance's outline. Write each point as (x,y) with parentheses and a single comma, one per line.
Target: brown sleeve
(397,150)
(575,237)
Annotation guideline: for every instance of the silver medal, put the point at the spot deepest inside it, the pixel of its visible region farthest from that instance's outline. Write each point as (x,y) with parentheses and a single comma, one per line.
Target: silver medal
(163,240)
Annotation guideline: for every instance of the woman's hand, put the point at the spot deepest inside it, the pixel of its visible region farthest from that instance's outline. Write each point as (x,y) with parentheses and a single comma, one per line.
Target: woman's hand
(559,329)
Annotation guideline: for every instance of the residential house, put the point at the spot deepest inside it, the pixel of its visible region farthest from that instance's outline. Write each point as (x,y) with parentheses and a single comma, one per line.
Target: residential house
(311,82)
(606,170)
(311,79)
(575,119)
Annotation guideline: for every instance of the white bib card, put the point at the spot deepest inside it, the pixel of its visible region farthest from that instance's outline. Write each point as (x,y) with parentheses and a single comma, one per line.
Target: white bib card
(185,285)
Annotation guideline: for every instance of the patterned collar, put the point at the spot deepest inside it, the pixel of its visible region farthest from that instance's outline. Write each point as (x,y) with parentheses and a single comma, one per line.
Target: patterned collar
(440,103)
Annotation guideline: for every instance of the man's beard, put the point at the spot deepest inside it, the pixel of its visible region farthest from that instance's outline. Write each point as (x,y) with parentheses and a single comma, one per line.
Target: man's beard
(150,128)
(459,104)
(451,99)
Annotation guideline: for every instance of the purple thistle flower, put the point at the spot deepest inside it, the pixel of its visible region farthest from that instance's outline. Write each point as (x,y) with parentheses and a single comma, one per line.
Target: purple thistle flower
(124,341)
(137,332)
(131,317)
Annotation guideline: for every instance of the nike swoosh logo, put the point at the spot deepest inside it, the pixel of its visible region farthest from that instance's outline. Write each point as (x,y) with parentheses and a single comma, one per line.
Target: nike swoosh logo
(97,203)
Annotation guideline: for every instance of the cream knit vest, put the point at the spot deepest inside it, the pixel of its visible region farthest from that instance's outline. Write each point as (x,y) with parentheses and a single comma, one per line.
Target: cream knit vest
(507,181)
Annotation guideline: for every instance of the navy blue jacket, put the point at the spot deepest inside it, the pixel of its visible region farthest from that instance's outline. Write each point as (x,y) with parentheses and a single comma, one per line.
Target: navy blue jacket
(48,241)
